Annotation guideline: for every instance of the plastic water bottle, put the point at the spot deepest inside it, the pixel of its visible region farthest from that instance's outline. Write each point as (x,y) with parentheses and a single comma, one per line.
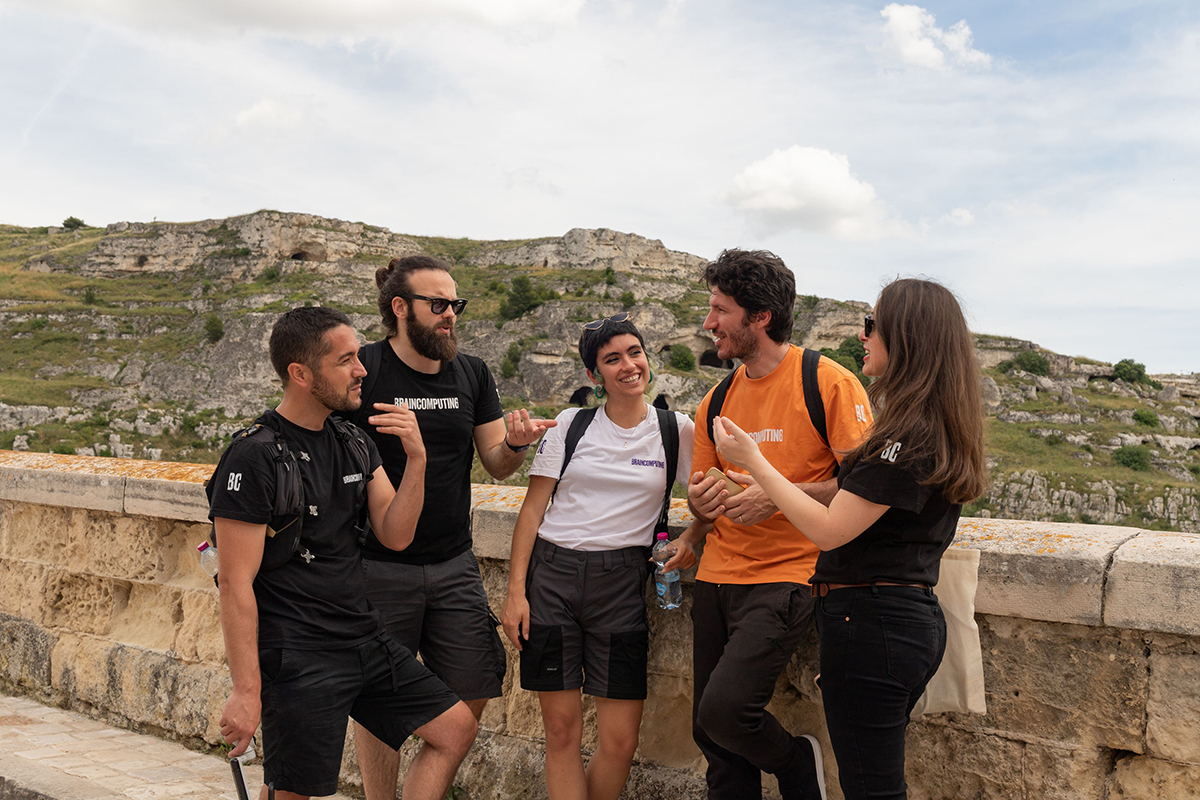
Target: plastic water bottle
(208,558)
(666,584)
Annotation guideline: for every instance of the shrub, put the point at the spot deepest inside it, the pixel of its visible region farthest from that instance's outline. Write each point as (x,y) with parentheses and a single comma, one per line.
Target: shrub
(1130,371)
(73,224)
(214,329)
(610,277)
(270,274)
(1194,469)
(682,358)
(1144,416)
(1054,439)
(508,367)
(627,299)
(854,349)
(89,295)
(1136,457)
(1005,366)
(1032,362)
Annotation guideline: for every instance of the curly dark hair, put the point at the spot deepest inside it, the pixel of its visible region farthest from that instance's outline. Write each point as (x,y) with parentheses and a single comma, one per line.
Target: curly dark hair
(590,342)
(392,281)
(758,281)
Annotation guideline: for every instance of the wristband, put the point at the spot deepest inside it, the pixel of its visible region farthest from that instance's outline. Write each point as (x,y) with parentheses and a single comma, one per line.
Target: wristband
(520,449)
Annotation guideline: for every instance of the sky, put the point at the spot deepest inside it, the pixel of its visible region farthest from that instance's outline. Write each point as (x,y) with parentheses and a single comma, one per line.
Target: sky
(1040,159)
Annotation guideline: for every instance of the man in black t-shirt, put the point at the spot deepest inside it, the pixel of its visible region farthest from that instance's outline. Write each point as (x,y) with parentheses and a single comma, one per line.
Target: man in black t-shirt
(305,647)
(431,595)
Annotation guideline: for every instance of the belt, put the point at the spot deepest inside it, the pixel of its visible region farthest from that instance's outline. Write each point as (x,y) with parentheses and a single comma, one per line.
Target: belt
(822,589)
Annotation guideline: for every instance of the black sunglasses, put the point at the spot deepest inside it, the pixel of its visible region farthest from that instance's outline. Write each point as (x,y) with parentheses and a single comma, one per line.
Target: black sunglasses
(438,305)
(597,324)
(868,324)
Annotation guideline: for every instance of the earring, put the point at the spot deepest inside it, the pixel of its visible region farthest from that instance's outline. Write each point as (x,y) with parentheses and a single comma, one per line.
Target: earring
(598,390)
(652,375)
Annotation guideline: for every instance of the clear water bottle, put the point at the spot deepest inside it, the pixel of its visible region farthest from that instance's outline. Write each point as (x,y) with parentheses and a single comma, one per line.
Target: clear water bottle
(666,584)
(208,558)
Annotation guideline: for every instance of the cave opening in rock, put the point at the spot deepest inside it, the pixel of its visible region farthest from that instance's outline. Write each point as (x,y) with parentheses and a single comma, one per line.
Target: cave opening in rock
(309,251)
(710,359)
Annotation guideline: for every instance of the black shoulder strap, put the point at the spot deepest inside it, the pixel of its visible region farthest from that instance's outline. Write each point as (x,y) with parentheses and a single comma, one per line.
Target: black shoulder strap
(574,433)
(812,392)
(717,400)
(670,439)
(371,356)
(352,438)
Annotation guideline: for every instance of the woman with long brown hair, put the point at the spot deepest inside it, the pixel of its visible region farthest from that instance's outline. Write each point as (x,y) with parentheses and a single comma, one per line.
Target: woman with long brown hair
(900,494)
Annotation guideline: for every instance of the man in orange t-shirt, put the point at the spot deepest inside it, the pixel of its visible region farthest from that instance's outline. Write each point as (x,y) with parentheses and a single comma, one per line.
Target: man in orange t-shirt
(751,603)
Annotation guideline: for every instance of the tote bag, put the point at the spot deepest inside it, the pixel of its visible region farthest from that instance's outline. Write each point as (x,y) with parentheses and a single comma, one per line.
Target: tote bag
(958,683)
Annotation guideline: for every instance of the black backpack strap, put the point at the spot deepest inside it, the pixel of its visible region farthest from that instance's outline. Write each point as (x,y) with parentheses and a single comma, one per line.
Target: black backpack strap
(353,440)
(812,392)
(670,439)
(574,433)
(717,400)
(371,356)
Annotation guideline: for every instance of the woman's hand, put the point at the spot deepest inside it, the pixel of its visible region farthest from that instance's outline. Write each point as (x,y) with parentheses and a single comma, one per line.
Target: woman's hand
(734,443)
(514,618)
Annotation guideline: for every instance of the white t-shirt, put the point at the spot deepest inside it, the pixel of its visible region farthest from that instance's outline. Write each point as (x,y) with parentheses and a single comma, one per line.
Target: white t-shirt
(613,488)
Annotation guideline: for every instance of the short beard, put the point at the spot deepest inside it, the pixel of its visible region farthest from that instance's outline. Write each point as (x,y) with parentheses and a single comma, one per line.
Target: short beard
(325,393)
(428,342)
(742,344)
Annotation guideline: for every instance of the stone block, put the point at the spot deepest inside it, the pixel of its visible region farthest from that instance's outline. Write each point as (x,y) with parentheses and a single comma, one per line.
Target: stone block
(25,654)
(1144,778)
(666,734)
(985,766)
(1053,772)
(670,636)
(1172,732)
(35,533)
(492,525)
(149,618)
(23,589)
(1041,570)
(167,499)
(1064,683)
(81,668)
(61,488)
(1154,584)
(127,547)
(154,689)
(199,637)
(83,603)
(523,714)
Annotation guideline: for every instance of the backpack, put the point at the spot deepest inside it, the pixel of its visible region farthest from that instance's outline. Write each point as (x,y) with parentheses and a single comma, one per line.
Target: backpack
(667,428)
(812,397)
(286,527)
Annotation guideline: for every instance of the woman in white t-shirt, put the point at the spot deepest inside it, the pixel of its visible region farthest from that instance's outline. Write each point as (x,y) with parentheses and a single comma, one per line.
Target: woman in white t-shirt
(576,606)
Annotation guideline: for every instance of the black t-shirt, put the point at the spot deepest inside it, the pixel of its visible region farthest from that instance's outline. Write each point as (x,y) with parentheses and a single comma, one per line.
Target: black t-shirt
(317,603)
(448,405)
(905,545)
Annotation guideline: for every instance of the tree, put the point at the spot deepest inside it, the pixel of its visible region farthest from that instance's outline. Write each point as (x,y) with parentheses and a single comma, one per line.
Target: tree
(73,223)
(627,299)
(1032,362)
(1136,457)
(522,297)
(682,358)
(1130,371)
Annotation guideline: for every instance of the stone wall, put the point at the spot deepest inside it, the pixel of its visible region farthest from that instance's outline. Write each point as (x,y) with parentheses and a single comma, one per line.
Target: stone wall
(1090,634)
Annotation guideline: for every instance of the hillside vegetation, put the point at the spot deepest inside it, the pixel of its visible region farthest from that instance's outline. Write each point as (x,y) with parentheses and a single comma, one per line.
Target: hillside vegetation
(148,340)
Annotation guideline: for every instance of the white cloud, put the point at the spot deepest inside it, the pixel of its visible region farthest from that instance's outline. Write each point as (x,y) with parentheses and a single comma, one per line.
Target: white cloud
(917,39)
(959,216)
(268,112)
(811,189)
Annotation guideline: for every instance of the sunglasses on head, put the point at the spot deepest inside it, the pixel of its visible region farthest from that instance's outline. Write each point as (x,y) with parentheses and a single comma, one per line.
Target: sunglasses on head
(438,305)
(597,324)
(868,324)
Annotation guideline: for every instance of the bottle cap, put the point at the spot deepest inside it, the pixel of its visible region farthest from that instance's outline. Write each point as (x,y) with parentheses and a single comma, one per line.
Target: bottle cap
(662,535)
(202,547)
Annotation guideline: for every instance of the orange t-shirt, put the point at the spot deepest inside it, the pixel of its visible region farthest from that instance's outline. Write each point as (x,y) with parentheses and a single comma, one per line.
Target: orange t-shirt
(772,410)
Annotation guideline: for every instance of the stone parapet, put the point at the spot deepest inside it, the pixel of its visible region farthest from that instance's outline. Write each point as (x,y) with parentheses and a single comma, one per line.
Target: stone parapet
(1090,639)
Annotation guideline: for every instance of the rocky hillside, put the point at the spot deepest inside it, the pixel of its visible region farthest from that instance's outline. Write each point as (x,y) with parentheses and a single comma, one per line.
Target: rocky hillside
(148,340)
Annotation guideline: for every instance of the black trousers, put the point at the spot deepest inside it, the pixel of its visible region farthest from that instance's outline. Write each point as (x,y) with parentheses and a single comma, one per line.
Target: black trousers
(880,645)
(744,636)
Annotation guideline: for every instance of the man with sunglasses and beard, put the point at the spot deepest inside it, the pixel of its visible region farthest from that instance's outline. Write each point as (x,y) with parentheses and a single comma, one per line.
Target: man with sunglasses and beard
(431,595)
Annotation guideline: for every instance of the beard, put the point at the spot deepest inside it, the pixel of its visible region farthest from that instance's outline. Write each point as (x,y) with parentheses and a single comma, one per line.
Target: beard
(428,342)
(327,394)
(740,343)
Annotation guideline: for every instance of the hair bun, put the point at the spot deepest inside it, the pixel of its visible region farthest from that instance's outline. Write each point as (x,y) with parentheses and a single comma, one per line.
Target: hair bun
(383,273)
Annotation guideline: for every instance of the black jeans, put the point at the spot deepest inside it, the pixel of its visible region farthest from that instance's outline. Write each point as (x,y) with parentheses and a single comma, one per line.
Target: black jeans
(880,645)
(744,636)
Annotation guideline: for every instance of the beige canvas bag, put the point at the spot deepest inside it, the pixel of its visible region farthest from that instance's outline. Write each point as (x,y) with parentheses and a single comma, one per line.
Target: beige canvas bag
(958,683)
